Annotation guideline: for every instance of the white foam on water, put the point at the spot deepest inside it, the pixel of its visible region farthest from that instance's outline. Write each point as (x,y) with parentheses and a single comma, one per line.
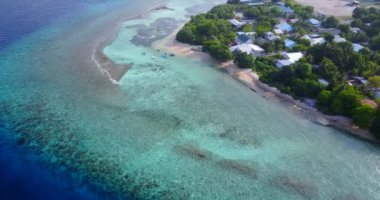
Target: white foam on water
(103,71)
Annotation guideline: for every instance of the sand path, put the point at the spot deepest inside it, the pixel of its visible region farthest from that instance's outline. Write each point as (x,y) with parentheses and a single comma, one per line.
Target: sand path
(337,8)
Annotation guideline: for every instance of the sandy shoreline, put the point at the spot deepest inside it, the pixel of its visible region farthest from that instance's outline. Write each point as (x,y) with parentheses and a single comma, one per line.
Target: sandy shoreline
(251,80)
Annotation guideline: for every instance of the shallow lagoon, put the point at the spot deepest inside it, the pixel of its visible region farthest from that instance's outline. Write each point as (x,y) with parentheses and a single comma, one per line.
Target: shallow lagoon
(175,128)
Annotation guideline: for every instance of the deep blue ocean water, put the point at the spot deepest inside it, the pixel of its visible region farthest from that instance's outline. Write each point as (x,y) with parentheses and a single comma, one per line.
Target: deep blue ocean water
(22,174)
(21,17)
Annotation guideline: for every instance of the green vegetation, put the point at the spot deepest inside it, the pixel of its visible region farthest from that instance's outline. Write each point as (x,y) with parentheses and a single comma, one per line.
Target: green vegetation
(375,127)
(244,60)
(363,116)
(374,81)
(212,30)
(331,22)
(337,63)
(368,20)
(297,80)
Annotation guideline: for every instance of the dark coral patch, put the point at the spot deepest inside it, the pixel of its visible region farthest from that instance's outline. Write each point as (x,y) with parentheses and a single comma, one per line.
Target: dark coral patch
(239,167)
(194,152)
(295,186)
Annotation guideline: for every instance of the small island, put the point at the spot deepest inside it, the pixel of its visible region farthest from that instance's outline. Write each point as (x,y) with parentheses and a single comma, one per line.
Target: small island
(331,64)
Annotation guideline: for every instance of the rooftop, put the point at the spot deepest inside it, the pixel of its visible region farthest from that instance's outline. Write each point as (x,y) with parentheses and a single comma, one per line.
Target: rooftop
(285,9)
(235,22)
(338,39)
(243,38)
(357,47)
(293,57)
(283,63)
(323,81)
(247,48)
(314,22)
(289,43)
(284,27)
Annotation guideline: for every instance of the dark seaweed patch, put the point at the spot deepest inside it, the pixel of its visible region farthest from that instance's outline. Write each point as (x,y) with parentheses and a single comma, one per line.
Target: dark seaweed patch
(234,135)
(346,197)
(193,152)
(159,29)
(295,186)
(239,167)
(159,119)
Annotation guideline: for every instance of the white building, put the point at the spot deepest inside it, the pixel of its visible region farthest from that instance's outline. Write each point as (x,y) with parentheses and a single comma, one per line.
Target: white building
(271,36)
(236,23)
(293,57)
(314,39)
(315,22)
(323,82)
(248,49)
(282,63)
(339,39)
(356,30)
(357,47)
(278,31)
(288,59)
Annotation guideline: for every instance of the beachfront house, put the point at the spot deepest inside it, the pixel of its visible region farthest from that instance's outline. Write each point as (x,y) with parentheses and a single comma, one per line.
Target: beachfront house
(289,43)
(315,22)
(250,49)
(357,47)
(236,23)
(288,59)
(285,27)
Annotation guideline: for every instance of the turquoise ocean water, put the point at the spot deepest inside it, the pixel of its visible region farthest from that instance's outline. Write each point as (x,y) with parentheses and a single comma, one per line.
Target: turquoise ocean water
(173,128)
